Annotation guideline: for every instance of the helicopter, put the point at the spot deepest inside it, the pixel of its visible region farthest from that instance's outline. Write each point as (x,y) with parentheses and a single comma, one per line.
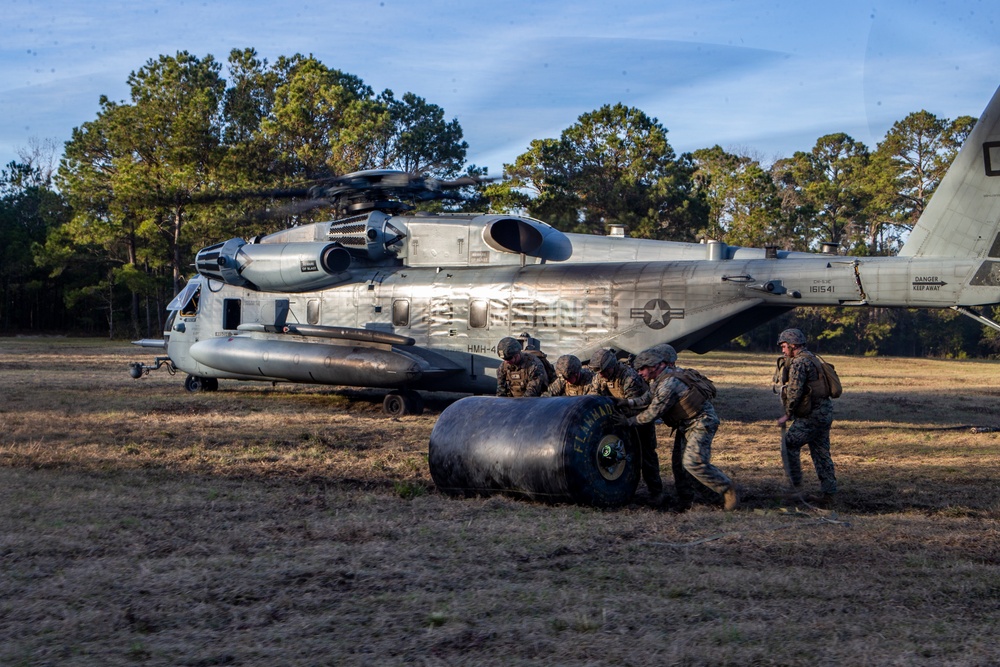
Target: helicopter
(383,296)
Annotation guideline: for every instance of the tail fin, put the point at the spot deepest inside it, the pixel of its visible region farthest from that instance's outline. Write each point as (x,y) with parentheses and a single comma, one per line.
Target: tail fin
(963,217)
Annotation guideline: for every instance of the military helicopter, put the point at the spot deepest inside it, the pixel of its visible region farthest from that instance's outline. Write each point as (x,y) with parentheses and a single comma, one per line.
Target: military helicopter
(382,296)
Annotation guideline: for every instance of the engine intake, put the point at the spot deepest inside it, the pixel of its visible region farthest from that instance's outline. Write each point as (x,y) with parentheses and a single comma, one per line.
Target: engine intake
(528,237)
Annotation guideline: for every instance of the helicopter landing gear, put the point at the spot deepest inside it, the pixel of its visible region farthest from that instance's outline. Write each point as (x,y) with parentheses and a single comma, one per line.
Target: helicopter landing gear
(404,402)
(194,384)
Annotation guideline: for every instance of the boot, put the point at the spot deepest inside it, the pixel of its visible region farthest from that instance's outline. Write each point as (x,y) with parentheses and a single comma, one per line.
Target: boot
(682,505)
(793,496)
(826,501)
(730,498)
(657,499)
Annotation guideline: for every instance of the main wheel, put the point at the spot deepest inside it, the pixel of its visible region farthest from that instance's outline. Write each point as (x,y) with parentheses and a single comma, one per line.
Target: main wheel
(405,402)
(394,405)
(414,403)
(193,383)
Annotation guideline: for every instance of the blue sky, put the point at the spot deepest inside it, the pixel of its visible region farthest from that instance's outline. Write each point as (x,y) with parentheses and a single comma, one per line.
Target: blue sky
(767,78)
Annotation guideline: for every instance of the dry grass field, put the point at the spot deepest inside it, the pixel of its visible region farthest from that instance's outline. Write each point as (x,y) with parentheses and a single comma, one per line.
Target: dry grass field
(294,525)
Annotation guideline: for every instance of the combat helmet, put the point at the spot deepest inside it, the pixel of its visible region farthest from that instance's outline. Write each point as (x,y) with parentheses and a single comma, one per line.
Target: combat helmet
(507,348)
(651,357)
(792,337)
(666,351)
(602,360)
(568,365)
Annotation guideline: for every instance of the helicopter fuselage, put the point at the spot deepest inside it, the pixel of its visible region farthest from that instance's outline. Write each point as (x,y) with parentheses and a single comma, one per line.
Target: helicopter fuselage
(454,316)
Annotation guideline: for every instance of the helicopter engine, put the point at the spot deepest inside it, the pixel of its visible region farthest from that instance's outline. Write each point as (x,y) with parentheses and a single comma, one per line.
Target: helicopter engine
(275,267)
(369,236)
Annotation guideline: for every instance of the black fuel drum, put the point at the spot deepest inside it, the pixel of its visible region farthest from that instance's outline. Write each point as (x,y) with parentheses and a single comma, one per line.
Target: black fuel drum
(565,449)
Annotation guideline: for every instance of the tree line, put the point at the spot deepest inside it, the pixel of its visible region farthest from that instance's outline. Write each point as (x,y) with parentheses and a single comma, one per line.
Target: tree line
(100,242)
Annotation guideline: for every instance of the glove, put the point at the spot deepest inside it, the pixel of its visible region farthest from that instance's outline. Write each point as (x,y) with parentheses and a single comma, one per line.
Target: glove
(622,403)
(622,420)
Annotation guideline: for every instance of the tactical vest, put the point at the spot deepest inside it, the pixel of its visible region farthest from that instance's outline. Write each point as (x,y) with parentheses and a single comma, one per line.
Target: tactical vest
(816,389)
(689,405)
(518,379)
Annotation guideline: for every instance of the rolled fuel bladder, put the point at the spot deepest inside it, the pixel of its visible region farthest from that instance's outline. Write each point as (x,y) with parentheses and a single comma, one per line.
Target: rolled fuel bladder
(565,449)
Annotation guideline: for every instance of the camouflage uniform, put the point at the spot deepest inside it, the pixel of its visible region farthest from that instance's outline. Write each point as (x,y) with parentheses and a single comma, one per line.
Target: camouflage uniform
(534,347)
(563,387)
(692,453)
(812,429)
(524,378)
(550,373)
(626,383)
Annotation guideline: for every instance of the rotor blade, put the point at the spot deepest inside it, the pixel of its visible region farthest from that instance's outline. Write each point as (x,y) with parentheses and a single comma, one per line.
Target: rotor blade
(295,208)
(467,181)
(237,195)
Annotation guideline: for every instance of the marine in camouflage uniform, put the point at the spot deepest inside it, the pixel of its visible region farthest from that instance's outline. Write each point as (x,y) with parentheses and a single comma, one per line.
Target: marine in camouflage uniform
(811,417)
(572,379)
(692,452)
(520,374)
(617,379)
(631,393)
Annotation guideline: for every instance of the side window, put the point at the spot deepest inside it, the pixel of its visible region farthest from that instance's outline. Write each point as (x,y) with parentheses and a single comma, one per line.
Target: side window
(280,312)
(231,313)
(401,313)
(312,311)
(479,313)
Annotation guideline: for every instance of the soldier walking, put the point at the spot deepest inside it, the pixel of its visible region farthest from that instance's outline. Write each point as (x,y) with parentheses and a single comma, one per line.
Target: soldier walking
(807,404)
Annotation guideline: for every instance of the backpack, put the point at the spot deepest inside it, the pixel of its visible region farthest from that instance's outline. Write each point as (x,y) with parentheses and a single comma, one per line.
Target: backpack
(550,372)
(698,382)
(700,389)
(828,373)
(826,385)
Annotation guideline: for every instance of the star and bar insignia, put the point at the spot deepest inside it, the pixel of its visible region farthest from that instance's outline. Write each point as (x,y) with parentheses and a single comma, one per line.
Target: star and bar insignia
(656,314)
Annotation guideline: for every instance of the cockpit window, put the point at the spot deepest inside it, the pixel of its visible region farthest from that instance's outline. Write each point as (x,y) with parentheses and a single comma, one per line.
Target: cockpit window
(186,300)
